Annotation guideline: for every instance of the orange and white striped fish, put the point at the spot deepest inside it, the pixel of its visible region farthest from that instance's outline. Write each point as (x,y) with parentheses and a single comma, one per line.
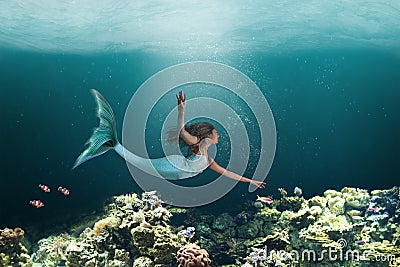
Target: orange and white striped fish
(44,188)
(63,190)
(36,203)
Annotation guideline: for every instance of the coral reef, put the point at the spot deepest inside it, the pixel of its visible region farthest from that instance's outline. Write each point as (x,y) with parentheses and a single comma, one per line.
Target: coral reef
(192,255)
(350,219)
(137,232)
(12,252)
(134,232)
(52,250)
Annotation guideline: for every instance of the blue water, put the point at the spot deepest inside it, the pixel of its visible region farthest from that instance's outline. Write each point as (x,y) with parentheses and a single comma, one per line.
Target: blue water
(335,103)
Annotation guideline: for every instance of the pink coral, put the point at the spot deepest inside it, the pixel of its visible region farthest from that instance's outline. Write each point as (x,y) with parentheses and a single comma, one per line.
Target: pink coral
(192,255)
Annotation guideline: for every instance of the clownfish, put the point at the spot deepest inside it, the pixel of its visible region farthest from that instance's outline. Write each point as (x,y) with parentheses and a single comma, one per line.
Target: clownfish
(36,203)
(264,199)
(63,190)
(44,188)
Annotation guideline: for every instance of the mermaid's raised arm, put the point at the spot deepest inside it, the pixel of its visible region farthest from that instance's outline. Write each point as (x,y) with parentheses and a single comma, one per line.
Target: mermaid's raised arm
(185,135)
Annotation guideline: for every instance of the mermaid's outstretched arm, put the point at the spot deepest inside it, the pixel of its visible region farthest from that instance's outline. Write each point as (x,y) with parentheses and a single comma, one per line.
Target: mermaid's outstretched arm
(215,167)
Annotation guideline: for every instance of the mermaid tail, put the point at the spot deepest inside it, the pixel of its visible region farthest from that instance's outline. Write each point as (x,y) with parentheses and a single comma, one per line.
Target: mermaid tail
(104,137)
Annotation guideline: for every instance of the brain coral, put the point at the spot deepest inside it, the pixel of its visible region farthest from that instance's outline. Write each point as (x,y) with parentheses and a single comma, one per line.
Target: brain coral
(192,255)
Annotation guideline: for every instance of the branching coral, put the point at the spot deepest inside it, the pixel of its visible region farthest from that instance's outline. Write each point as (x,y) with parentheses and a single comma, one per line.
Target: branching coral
(52,249)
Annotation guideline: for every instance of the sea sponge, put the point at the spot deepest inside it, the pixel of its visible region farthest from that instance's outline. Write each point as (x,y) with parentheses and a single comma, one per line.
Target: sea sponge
(192,255)
(11,237)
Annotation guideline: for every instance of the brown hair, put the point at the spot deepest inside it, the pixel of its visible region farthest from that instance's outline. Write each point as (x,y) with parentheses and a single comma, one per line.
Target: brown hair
(199,129)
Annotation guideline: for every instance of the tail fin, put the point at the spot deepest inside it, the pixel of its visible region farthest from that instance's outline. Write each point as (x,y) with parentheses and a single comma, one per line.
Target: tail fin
(104,137)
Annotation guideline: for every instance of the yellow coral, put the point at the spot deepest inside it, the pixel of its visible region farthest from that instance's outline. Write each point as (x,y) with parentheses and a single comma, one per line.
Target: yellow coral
(102,225)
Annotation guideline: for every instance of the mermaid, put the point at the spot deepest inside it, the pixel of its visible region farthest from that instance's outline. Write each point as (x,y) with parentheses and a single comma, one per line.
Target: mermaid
(198,137)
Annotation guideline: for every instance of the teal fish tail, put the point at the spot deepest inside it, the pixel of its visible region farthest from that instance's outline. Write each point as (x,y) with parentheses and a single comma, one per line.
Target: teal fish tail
(104,137)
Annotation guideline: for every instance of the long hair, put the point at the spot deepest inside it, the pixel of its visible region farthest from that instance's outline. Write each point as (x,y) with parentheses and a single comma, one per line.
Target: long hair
(199,129)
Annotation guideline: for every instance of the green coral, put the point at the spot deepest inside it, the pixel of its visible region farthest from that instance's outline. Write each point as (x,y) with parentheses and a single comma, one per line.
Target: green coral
(269,214)
(157,242)
(317,201)
(143,238)
(336,204)
(143,261)
(332,193)
(223,222)
(12,252)
(289,203)
(355,197)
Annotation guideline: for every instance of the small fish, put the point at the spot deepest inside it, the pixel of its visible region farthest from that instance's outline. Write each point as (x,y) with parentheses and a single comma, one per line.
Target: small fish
(360,242)
(371,209)
(334,216)
(356,217)
(44,188)
(319,223)
(264,199)
(190,231)
(63,190)
(36,203)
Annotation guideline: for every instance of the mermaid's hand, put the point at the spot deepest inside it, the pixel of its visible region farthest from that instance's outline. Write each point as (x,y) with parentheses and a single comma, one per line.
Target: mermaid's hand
(181,97)
(258,183)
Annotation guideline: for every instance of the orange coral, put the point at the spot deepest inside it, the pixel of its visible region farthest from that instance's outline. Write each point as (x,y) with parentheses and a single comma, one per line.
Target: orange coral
(192,255)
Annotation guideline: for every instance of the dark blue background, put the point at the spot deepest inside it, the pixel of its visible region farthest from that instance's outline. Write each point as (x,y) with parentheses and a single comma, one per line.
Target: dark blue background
(336,114)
